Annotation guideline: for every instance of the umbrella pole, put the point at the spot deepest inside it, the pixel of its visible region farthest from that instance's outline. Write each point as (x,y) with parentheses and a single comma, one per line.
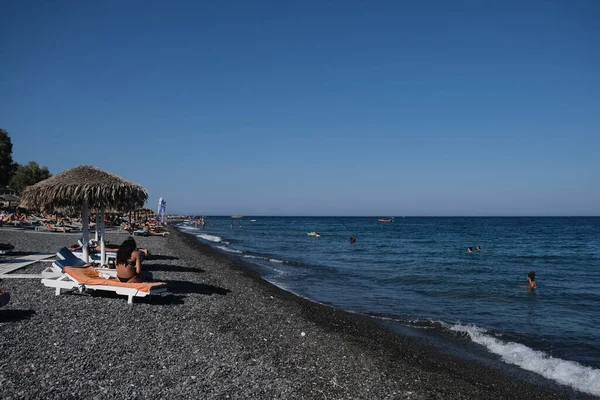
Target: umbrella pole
(97,225)
(102,245)
(85,230)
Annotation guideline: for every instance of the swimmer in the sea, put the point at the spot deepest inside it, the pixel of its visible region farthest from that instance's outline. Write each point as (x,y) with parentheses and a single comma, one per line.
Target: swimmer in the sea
(531,279)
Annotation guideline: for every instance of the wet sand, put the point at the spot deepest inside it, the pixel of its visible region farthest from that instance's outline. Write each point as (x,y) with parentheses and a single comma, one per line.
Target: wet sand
(219,332)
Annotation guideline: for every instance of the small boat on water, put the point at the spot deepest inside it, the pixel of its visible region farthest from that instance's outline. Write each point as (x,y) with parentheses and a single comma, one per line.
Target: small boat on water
(314,234)
(386,220)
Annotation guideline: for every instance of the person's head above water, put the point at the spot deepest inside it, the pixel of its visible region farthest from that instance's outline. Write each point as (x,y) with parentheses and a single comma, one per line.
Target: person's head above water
(531,279)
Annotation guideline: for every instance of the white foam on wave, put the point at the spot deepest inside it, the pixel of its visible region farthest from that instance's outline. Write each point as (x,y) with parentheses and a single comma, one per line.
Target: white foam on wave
(210,238)
(569,373)
(273,260)
(227,249)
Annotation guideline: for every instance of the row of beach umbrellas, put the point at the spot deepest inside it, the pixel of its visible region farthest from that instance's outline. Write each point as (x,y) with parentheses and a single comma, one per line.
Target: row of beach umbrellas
(88,189)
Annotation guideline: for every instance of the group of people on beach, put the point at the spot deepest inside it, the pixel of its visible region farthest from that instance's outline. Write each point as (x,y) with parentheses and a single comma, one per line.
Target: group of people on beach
(11,217)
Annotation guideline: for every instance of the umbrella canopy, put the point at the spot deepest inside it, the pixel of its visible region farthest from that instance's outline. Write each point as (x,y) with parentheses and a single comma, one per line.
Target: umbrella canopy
(84,187)
(146,211)
(71,188)
(9,198)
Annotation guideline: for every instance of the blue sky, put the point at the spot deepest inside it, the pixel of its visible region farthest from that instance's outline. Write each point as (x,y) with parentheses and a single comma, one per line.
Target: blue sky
(314,108)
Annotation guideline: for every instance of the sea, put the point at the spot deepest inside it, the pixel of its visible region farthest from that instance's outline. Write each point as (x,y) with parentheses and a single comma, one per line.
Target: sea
(417,272)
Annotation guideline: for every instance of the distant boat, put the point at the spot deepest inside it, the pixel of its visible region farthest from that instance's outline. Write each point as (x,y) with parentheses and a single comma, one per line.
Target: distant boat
(386,220)
(237,216)
(314,234)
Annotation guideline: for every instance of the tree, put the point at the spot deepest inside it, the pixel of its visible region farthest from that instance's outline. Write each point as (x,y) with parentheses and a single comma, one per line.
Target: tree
(6,162)
(27,175)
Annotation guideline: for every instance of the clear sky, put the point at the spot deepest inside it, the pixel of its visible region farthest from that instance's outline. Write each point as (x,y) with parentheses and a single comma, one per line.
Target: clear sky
(314,107)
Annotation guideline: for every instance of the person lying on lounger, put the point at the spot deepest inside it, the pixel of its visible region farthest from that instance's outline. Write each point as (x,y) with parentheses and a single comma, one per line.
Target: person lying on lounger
(129,262)
(152,232)
(57,227)
(61,222)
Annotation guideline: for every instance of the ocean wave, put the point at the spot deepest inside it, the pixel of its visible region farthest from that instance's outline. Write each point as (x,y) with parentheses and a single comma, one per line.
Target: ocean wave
(210,238)
(273,260)
(186,227)
(227,249)
(585,379)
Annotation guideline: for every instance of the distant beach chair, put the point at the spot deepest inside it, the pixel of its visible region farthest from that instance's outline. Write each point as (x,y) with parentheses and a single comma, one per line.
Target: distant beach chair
(90,278)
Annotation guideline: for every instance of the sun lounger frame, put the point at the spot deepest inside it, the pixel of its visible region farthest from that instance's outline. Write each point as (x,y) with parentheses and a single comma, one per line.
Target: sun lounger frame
(65,281)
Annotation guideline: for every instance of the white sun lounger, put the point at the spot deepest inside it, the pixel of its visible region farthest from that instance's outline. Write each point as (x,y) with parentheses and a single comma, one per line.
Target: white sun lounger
(66,254)
(67,259)
(90,278)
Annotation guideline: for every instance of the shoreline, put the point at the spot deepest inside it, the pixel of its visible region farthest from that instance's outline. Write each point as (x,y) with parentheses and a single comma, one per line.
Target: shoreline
(394,335)
(220,330)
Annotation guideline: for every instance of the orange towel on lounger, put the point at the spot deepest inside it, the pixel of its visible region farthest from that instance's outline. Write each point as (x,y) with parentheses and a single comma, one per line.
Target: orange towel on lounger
(90,276)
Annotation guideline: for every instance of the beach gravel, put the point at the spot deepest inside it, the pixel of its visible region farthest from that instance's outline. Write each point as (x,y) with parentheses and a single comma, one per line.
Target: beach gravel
(219,332)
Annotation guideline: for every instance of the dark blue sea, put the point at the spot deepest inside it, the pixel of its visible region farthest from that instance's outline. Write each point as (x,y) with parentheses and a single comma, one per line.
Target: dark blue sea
(418,272)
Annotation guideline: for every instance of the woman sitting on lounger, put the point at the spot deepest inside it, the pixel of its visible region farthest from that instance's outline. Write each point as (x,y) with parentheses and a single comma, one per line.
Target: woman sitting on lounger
(129,263)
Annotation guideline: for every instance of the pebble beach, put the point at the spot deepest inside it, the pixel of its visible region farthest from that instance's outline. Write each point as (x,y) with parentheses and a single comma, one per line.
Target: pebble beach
(220,331)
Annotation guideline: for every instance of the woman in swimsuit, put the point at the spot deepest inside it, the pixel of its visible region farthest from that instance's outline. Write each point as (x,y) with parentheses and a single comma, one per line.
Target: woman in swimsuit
(129,262)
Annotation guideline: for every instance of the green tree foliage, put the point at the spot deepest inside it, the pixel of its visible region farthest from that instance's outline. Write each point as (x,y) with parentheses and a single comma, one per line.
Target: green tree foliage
(27,175)
(6,162)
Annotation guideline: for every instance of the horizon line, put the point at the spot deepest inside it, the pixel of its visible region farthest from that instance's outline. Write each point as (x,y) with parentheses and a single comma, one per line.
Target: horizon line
(394,217)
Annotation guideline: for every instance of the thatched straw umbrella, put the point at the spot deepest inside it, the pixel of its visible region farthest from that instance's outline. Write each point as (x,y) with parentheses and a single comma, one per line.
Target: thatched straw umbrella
(85,187)
(146,212)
